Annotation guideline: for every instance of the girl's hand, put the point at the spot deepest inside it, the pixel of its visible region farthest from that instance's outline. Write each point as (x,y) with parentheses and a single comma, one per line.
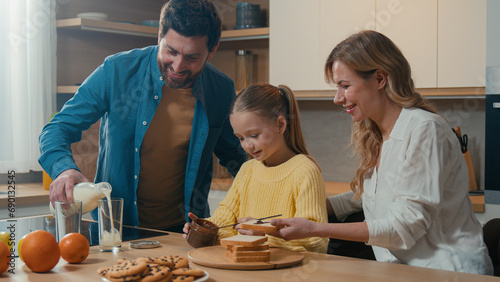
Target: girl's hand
(187,226)
(246,231)
(293,228)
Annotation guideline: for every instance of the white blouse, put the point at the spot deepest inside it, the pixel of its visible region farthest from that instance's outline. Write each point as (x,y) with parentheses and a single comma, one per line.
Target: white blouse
(416,206)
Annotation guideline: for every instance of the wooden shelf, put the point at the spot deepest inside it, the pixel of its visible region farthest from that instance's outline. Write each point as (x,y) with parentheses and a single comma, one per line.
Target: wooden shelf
(107,26)
(459,92)
(67,89)
(149,31)
(444,93)
(245,34)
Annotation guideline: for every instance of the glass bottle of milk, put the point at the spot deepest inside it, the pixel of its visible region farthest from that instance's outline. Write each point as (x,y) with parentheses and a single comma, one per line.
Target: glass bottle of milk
(89,193)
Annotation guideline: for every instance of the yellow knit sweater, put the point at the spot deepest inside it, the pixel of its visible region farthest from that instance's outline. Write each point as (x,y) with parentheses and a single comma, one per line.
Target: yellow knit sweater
(293,189)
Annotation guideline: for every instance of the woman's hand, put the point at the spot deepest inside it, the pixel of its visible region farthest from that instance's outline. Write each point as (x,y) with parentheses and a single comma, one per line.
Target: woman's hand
(293,228)
(187,226)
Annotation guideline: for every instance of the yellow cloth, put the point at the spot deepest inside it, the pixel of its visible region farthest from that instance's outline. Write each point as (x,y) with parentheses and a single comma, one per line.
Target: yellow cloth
(293,189)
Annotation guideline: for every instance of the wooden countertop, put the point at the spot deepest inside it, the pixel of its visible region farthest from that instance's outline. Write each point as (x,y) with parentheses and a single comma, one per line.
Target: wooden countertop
(33,193)
(333,188)
(25,194)
(315,267)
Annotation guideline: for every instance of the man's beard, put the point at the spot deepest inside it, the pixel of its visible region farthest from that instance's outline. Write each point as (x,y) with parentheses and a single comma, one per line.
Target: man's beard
(181,83)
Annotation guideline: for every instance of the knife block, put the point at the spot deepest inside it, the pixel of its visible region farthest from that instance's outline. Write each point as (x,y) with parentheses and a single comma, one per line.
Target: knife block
(472,176)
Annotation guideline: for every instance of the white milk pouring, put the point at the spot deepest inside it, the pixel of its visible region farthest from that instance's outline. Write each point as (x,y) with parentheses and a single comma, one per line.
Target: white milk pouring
(110,239)
(89,193)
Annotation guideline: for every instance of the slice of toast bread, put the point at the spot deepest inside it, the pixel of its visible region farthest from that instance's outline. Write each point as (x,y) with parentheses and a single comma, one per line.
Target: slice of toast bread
(248,259)
(265,253)
(235,248)
(257,225)
(243,240)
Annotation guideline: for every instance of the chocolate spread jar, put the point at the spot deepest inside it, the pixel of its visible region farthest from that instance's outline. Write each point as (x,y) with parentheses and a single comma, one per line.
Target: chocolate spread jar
(202,233)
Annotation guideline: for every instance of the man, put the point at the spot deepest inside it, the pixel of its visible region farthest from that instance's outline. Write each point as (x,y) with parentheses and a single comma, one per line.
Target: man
(164,112)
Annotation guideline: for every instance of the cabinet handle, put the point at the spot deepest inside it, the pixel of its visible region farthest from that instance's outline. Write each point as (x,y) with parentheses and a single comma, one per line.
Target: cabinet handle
(496,105)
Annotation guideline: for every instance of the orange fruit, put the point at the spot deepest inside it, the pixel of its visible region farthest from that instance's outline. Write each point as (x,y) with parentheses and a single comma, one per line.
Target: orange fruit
(4,257)
(40,251)
(74,247)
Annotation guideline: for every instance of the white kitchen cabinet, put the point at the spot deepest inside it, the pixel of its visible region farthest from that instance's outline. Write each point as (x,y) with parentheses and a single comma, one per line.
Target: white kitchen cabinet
(294,43)
(461,43)
(412,26)
(339,19)
(443,40)
(302,34)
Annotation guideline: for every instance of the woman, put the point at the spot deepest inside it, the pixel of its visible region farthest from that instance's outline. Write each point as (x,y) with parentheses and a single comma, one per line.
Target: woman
(412,181)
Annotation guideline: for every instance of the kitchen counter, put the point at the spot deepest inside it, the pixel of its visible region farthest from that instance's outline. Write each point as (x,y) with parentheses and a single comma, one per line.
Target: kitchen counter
(333,188)
(314,267)
(26,194)
(29,199)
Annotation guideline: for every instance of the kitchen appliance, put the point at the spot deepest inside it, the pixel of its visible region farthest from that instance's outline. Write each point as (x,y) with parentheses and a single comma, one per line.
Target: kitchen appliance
(492,147)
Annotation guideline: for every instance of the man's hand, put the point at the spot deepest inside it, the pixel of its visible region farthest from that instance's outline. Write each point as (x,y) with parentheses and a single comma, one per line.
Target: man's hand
(293,228)
(62,187)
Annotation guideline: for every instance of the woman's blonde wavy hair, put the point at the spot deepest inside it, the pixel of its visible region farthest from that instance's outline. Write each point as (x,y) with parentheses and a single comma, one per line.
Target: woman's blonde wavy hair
(272,102)
(365,52)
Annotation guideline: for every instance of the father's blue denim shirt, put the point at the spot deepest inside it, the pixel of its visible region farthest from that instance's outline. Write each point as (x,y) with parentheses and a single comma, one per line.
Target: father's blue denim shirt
(124,93)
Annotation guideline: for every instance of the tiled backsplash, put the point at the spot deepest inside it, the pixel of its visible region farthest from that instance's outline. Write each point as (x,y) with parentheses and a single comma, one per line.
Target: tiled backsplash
(327,130)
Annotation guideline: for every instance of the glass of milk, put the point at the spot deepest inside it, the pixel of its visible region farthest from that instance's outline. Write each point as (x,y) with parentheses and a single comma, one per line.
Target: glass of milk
(110,218)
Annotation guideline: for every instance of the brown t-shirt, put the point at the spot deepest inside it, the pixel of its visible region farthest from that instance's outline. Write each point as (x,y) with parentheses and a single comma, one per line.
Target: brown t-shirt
(164,150)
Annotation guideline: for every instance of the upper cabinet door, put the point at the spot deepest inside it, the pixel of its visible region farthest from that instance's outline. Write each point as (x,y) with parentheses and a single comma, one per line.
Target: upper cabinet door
(461,43)
(294,44)
(412,26)
(302,34)
(339,19)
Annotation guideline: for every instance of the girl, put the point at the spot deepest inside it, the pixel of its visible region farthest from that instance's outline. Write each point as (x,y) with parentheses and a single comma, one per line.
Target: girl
(281,178)
(412,181)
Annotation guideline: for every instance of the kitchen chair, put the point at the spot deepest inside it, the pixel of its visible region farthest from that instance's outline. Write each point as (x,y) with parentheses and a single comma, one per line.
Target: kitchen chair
(491,233)
(350,248)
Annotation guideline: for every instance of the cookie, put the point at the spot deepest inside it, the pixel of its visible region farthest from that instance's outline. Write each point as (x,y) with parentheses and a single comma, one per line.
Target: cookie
(166,279)
(157,273)
(128,267)
(122,260)
(103,271)
(188,272)
(182,278)
(128,278)
(163,260)
(179,262)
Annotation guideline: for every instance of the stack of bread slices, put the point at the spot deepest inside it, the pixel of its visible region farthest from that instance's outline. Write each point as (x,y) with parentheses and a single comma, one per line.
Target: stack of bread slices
(246,248)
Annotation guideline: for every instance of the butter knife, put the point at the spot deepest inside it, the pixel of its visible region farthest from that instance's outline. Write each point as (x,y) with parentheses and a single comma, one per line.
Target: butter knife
(231,225)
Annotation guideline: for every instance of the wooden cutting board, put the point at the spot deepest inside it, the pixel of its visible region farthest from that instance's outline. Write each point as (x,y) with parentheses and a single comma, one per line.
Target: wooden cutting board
(215,256)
